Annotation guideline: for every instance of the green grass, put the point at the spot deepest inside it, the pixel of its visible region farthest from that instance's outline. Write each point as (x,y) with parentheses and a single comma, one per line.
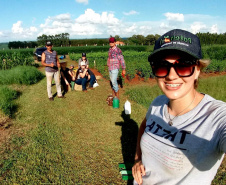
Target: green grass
(82,131)
(7,96)
(79,139)
(214,86)
(20,75)
(145,94)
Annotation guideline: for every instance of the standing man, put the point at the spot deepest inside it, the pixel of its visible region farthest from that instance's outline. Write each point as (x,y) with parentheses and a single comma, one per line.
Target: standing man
(115,59)
(51,63)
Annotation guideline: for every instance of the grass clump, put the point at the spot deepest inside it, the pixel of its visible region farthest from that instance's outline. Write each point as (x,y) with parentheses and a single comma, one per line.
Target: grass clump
(20,75)
(144,95)
(6,100)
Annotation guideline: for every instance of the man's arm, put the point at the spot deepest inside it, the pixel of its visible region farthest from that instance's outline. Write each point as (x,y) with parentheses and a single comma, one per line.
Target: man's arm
(57,60)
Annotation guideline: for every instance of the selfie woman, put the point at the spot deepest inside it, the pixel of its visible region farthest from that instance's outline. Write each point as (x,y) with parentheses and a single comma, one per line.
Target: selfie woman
(182,139)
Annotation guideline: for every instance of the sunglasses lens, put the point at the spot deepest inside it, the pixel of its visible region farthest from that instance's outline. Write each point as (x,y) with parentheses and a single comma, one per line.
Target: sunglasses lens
(184,70)
(160,71)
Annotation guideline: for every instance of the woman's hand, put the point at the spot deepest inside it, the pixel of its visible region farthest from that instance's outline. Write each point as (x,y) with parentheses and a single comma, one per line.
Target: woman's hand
(138,171)
(66,82)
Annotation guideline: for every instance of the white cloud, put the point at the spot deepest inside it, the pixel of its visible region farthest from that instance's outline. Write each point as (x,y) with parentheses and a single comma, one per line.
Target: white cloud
(214,29)
(19,32)
(174,16)
(91,24)
(82,1)
(17,27)
(132,12)
(92,17)
(197,27)
(164,25)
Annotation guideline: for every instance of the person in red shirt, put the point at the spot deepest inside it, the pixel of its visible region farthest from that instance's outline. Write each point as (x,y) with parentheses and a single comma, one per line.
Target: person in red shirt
(115,59)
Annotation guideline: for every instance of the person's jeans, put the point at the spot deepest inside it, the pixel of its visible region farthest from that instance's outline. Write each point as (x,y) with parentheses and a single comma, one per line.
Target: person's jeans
(49,78)
(113,77)
(82,81)
(92,80)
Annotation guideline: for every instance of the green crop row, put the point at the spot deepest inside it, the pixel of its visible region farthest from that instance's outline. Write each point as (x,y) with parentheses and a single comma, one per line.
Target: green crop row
(137,62)
(217,52)
(9,60)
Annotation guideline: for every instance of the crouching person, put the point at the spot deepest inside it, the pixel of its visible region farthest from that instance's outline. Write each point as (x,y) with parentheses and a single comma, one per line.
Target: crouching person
(72,73)
(65,76)
(83,76)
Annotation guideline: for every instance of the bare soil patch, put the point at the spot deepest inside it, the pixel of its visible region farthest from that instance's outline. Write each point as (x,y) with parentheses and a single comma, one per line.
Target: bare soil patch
(5,123)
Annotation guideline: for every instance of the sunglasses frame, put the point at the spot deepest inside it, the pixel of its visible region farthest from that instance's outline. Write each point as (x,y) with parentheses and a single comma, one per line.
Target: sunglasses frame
(178,63)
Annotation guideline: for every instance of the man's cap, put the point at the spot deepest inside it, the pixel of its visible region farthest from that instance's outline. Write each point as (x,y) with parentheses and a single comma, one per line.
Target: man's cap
(62,62)
(83,63)
(49,43)
(177,40)
(83,54)
(72,65)
(112,39)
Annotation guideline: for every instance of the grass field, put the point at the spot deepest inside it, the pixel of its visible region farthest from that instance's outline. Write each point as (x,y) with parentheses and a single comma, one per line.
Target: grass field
(77,140)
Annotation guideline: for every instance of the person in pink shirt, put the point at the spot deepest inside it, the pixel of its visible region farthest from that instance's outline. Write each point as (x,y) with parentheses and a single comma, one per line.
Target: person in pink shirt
(115,59)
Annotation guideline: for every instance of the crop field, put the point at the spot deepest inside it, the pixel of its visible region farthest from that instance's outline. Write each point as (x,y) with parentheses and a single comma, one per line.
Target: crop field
(79,139)
(136,62)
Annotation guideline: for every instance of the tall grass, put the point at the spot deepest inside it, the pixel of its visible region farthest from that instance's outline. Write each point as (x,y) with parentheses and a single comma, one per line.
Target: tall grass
(26,75)
(20,75)
(7,96)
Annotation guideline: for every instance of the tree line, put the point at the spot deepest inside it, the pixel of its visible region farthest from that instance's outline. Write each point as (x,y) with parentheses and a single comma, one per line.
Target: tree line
(62,40)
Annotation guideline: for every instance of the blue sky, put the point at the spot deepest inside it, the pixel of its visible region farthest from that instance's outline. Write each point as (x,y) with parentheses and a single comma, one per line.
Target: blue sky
(24,20)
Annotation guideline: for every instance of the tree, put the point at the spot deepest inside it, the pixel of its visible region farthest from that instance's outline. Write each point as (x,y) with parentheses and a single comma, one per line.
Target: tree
(57,40)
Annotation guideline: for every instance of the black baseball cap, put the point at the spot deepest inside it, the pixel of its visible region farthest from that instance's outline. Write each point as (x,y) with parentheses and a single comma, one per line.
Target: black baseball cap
(180,40)
(83,54)
(49,43)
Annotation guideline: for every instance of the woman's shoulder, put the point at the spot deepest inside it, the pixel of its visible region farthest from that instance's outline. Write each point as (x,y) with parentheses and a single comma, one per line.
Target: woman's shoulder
(160,100)
(213,104)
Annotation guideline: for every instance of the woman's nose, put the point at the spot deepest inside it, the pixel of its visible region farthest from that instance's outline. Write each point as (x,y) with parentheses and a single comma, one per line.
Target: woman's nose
(172,74)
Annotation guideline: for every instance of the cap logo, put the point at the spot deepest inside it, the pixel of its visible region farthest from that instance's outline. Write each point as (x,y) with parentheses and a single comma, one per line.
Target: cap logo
(180,38)
(166,39)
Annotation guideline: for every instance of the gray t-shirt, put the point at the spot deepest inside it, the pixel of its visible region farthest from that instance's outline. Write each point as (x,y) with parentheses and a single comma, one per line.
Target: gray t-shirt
(51,57)
(80,60)
(188,152)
